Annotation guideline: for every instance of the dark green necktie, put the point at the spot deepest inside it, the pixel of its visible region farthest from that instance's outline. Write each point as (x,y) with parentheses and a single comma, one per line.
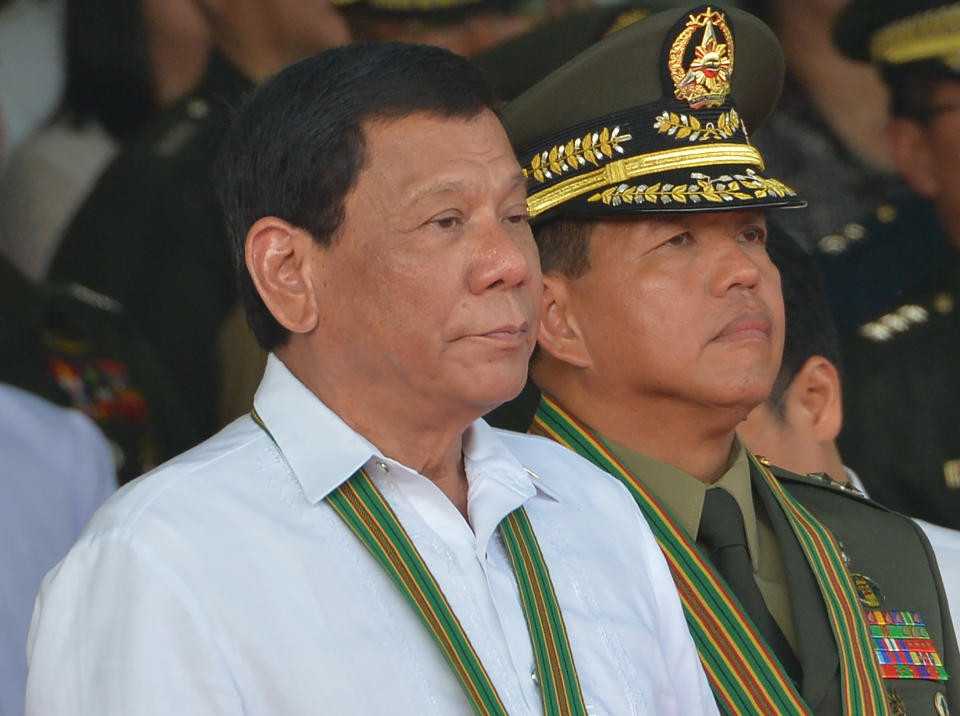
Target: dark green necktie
(724,541)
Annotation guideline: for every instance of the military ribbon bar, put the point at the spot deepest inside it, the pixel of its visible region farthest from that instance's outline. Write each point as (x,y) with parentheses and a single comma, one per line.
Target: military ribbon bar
(903,646)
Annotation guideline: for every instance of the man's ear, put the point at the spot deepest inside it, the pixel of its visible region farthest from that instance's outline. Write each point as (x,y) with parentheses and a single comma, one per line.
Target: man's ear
(913,154)
(560,335)
(815,398)
(278,257)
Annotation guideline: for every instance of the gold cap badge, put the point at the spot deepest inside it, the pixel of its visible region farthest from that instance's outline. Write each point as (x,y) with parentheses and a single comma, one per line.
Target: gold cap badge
(705,81)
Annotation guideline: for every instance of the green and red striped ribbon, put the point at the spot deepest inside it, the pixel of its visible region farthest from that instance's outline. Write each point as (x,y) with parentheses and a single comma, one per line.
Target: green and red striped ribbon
(559,683)
(745,675)
(365,511)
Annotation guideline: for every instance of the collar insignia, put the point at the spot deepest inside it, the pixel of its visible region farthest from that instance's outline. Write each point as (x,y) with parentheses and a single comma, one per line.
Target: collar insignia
(705,81)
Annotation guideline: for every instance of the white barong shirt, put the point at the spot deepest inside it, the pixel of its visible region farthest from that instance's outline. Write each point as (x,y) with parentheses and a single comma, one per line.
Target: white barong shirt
(223,583)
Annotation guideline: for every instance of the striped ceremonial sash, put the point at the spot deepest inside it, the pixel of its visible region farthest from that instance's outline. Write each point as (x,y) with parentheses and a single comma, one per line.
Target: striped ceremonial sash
(745,675)
(559,683)
(861,680)
(365,511)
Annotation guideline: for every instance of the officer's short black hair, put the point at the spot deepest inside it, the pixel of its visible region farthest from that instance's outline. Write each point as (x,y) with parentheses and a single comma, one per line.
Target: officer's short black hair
(564,246)
(810,329)
(296,147)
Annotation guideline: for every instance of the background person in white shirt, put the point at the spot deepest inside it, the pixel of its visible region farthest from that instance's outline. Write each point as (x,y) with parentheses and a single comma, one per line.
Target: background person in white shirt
(57,469)
(379,212)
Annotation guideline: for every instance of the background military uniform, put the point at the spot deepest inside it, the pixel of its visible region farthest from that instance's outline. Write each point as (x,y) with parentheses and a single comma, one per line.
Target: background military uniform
(901,384)
(80,354)
(151,237)
(902,387)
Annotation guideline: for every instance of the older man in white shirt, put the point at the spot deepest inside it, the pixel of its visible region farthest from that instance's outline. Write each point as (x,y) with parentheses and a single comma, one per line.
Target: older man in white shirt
(363,543)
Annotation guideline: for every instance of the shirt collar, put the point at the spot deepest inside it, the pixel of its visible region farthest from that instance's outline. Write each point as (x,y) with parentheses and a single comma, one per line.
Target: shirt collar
(682,494)
(323,451)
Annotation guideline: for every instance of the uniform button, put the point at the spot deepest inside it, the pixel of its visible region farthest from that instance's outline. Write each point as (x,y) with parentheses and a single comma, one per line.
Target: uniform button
(854,231)
(943,303)
(197,108)
(895,322)
(913,312)
(951,474)
(886,213)
(875,331)
(534,678)
(382,467)
(832,244)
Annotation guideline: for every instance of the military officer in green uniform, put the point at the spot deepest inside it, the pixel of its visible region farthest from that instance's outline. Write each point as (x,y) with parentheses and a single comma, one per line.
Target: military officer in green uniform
(663,326)
(72,348)
(902,387)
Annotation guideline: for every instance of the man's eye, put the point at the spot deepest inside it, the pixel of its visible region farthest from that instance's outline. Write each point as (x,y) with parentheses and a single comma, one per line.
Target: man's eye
(754,235)
(518,218)
(678,240)
(447,222)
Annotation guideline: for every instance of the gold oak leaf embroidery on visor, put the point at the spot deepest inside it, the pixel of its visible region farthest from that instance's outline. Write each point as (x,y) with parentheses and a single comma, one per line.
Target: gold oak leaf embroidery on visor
(722,189)
(573,155)
(682,126)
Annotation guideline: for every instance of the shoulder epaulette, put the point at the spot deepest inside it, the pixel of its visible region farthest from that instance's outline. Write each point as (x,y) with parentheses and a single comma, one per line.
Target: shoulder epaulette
(816,479)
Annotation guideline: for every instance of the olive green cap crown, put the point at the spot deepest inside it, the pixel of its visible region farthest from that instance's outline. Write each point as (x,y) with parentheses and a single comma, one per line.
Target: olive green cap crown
(654,118)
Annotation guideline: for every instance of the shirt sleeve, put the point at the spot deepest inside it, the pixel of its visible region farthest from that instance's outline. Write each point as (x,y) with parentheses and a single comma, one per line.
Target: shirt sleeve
(116,631)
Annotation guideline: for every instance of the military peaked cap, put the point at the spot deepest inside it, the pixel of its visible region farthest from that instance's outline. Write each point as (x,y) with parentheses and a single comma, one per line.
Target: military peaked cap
(899,32)
(654,118)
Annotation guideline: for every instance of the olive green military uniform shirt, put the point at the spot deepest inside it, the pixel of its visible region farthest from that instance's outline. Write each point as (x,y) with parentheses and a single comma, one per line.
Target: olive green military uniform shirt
(682,494)
(885,546)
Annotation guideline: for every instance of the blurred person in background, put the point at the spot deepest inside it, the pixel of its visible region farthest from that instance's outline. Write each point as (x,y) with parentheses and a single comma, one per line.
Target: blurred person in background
(901,430)
(32,72)
(125,61)
(73,348)
(796,427)
(150,235)
(57,469)
(827,131)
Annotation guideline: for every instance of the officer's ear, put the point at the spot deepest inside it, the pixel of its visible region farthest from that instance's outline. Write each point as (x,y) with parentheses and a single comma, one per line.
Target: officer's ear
(560,333)
(814,398)
(278,255)
(913,153)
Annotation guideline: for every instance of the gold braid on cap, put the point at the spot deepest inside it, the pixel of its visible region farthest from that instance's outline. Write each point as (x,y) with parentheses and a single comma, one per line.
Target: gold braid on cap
(934,34)
(619,171)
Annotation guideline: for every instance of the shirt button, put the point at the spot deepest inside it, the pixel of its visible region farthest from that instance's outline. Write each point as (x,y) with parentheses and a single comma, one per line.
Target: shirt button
(534,678)
(382,467)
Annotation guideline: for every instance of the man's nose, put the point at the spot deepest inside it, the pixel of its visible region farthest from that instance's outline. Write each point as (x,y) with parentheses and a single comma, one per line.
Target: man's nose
(504,258)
